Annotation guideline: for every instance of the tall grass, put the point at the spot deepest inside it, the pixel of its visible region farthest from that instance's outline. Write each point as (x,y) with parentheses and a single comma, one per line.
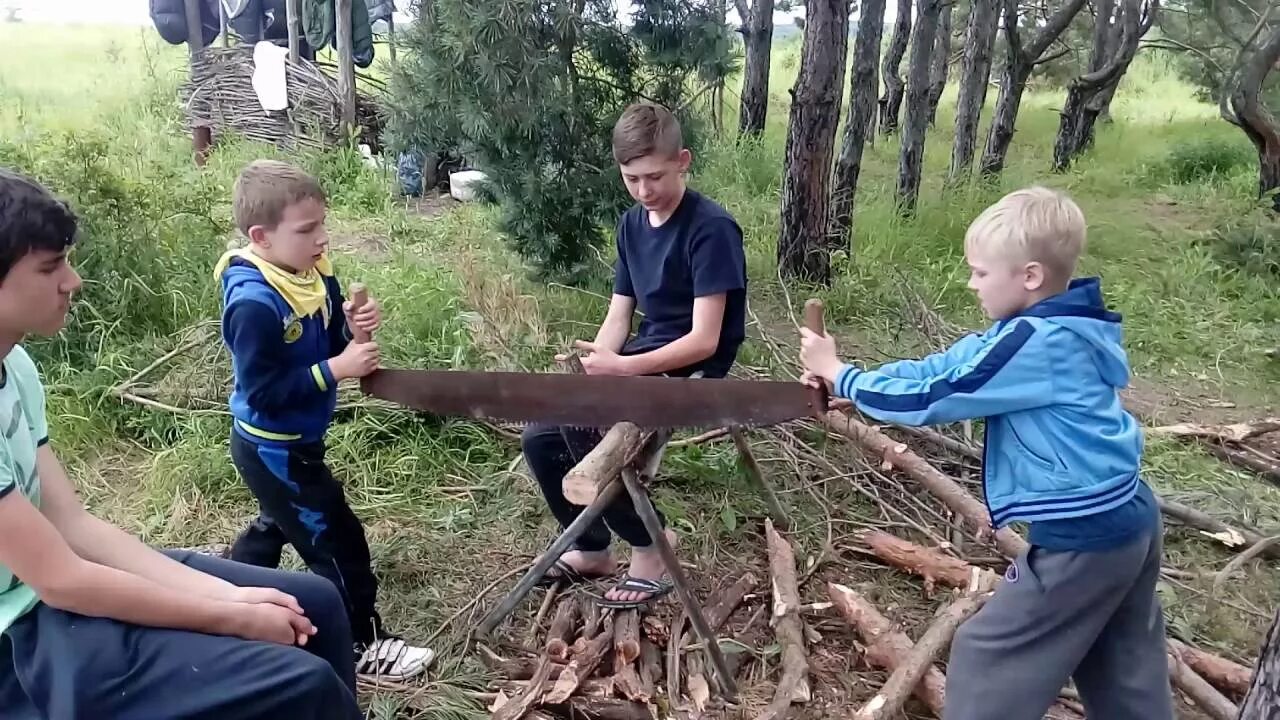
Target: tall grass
(1166,187)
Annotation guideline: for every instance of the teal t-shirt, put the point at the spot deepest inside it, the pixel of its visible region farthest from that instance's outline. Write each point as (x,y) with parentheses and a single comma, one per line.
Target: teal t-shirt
(23,423)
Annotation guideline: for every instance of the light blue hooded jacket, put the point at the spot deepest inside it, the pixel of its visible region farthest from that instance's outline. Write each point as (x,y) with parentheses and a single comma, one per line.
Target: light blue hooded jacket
(1059,444)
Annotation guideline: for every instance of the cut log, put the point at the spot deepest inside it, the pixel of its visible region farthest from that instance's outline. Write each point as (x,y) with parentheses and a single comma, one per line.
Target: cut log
(590,626)
(910,670)
(518,706)
(649,670)
(591,687)
(562,625)
(582,666)
(886,649)
(1229,677)
(626,637)
(1199,691)
(1262,701)
(975,515)
(932,565)
(1239,539)
(523,668)
(788,628)
(603,463)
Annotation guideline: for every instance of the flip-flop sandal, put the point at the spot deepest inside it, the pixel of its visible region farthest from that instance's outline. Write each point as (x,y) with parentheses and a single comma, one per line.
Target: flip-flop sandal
(655,589)
(566,574)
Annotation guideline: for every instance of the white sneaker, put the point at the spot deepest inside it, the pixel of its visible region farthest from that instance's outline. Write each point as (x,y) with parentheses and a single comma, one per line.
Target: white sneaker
(392,658)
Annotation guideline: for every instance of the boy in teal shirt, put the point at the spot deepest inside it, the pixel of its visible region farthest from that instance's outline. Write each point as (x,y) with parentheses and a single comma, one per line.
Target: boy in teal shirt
(95,623)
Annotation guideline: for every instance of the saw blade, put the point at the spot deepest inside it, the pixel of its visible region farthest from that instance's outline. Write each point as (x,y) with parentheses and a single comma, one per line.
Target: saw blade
(593,401)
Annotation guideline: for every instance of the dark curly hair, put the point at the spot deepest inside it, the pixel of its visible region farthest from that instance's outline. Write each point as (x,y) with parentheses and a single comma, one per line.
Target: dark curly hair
(31,218)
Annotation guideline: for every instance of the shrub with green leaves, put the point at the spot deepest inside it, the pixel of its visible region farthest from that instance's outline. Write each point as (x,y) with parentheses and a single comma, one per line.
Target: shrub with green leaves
(1206,159)
(529,91)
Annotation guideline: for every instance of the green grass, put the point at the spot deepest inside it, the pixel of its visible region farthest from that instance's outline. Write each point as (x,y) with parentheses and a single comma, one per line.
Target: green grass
(445,514)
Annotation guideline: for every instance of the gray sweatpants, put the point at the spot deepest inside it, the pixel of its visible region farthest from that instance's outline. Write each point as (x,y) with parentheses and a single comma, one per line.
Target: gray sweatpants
(1091,616)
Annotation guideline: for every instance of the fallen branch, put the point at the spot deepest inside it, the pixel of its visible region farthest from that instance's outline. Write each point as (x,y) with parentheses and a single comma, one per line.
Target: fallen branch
(907,675)
(886,648)
(942,441)
(776,511)
(1240,539)
(1238,432)
(1199,691)
(1229,677)
(517,707)
(930,564)
(1238,561)
(794,683)
(975,515)
(1255,461)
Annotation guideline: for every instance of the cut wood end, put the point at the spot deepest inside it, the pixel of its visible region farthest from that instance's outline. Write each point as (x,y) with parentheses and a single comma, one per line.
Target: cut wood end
(1230,537)
(499,701)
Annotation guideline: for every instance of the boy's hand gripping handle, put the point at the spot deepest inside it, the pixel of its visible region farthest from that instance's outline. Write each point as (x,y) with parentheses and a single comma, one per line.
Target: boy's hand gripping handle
(359,297)
(814,321)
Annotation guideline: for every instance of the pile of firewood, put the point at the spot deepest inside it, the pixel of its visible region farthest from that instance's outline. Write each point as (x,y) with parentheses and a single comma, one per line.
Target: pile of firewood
(608,664)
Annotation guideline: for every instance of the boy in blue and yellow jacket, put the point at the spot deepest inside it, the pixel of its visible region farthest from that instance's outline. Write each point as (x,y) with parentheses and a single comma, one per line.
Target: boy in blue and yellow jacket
(286,324)
(1061,453)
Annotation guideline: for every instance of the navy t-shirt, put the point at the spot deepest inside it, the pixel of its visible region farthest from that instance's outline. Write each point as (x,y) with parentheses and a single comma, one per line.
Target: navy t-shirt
(697,252)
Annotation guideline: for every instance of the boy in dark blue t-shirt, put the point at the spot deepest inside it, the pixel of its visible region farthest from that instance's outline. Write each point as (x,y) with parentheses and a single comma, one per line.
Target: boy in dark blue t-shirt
(681,263)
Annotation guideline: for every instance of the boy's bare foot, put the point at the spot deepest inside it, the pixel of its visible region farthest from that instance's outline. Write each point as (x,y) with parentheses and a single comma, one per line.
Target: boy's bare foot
(588,564)
(646,564)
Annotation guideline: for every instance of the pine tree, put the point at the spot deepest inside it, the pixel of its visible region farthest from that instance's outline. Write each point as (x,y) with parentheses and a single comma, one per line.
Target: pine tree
(528,92)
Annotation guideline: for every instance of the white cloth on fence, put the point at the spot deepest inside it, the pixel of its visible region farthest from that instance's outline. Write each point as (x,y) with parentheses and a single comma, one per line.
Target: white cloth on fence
(269,75)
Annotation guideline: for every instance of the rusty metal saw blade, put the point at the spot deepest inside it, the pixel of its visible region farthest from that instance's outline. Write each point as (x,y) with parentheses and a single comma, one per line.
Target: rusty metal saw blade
(593,400)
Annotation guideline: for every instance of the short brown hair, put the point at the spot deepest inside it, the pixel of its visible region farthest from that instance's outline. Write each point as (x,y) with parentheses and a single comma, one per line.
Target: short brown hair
(265,188)
(646,129)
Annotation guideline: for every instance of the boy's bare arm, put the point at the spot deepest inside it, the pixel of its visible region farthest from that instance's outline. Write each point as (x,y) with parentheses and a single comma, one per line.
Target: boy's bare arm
(36,552)
(616,327)
(100,542)
(698,345)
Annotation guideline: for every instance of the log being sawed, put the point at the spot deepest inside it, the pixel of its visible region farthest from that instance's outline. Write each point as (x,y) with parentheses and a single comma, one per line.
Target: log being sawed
(603,463)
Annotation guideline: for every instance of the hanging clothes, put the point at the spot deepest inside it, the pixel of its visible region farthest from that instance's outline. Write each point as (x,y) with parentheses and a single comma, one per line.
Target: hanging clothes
(380,10)
(170,20)
(318,24)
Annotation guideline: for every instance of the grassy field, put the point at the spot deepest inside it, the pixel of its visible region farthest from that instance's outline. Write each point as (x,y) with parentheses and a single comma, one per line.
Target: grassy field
(1172,230)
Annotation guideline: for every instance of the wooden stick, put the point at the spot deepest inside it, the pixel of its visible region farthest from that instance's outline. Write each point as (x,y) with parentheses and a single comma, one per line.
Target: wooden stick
(523,668)
(907,675)
(582,666)
(975,515)
(598,708)
(561,631)
(1238,432)
(346,62)
(776,512)
(942,441)
(293,20)
(814,321)
(591,616)
(788,628)
(649,669)
(1199,691)
(603,463)
(1238,561)
(626,636)
(930,564)
(1264,466)
(359,297)
(1240,539)
(886,648)
(1229,677)
(518,706)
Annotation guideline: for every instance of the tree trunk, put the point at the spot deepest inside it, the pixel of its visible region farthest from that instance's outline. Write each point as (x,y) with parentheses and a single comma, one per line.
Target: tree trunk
(757,35)
(1263,699)
(864,84)
(979,41)
(1013,83)
(911,157)
(1088,94)
(1021,60)
(804,251)
(941,60)
(891,102)
(1249,114)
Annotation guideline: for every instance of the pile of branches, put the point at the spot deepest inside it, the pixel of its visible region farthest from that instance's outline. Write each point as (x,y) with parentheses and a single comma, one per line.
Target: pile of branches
(219,94)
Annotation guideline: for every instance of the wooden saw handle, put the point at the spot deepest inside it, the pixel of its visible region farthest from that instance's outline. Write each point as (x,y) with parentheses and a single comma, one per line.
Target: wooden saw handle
(359,297)
(814,321)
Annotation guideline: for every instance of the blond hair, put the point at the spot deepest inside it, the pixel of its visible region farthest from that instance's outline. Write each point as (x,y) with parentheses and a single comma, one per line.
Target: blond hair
(265,188)
(1035,224)
(646,129)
